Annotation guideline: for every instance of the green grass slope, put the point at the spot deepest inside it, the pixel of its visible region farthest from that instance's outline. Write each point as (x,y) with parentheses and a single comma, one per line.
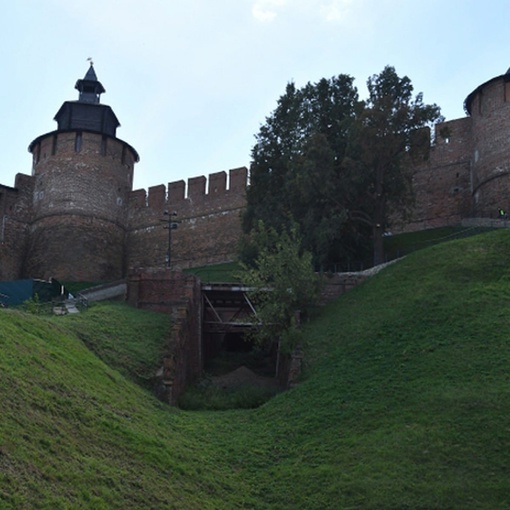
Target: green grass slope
(74,433)
(131,341)
(404,405)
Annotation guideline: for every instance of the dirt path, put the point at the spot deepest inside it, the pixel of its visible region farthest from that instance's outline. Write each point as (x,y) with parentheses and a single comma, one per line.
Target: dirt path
(243,376)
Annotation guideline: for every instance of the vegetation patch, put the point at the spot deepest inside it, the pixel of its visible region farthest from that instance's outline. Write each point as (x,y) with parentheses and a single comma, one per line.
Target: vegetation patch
(234,380)
(396,246)
(207,396)
(218,273)
(404,405)
(129,340)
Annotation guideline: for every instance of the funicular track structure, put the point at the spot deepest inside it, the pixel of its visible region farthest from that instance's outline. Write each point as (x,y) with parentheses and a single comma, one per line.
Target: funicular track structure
(227,308)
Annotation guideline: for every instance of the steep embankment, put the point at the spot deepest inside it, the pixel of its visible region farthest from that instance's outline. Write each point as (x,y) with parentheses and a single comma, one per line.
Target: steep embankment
(74,433)
(404,406)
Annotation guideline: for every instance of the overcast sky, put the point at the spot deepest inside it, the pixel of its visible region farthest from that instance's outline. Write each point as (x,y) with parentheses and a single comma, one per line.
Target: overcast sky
(191,81)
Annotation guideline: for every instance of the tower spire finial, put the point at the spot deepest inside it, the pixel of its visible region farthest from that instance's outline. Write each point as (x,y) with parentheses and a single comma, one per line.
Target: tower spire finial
(90,87)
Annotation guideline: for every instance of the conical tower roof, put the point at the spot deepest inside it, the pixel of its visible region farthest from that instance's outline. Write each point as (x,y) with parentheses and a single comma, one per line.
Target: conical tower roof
(90,87)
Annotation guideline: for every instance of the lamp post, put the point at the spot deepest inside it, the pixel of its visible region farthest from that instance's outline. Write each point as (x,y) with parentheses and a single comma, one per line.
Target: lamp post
(171,224)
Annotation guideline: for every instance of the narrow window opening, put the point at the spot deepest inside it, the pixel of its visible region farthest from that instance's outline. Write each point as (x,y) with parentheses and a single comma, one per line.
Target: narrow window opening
(507,92)
(2,229)
(54,145)
(78,142)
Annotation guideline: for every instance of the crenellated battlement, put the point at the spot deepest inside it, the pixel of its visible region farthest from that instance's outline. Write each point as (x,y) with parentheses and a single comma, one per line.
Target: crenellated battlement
(196,190)
(208,212)
(199,194)
(457,131)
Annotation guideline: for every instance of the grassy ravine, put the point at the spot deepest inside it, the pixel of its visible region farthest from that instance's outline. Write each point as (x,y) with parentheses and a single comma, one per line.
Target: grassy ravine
(404,406)
(126,339)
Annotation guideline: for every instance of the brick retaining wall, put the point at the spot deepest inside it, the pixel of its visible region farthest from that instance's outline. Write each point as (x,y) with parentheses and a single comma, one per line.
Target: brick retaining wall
(179,295)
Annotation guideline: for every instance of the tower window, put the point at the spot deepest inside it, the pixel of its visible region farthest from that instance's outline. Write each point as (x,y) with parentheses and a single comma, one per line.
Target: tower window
(54,145)
(507,92)
(78,142)
(104,140)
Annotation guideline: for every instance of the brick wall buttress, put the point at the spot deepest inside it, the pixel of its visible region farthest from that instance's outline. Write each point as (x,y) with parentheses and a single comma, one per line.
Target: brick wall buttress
(179,295)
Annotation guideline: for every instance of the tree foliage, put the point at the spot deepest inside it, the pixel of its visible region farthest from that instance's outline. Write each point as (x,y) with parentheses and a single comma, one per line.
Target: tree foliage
(392,140)
(309,129)
(336,165)
(282,282)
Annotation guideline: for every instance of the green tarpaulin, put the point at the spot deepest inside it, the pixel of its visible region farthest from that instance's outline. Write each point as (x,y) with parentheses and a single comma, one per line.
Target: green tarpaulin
(17,292)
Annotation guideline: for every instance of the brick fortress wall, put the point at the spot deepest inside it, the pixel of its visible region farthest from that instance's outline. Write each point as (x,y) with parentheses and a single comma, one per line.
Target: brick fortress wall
(209,221)
(77,219)
(468,172)
(77,215)
(15,214)
(442,183)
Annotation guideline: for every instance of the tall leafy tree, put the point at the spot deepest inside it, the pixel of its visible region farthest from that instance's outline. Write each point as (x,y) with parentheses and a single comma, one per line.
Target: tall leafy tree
(391,138)
(298,165)
(337,166)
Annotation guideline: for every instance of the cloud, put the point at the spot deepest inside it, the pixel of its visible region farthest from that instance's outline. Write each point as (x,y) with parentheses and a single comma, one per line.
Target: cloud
(335,10)
(331,11)
(266,10)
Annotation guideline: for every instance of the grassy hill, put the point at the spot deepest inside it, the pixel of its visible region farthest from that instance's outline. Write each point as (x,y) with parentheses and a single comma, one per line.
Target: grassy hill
(404,404)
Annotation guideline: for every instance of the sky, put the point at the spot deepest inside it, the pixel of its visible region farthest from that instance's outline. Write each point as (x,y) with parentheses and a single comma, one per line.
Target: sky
(192,81)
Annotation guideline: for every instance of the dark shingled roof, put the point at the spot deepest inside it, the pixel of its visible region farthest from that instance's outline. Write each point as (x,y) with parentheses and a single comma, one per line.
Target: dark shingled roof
(90,87)
(90,74)
(87,113)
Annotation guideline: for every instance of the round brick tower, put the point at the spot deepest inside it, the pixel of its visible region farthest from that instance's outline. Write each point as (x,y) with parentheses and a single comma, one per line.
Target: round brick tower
(489,107)
(83,175)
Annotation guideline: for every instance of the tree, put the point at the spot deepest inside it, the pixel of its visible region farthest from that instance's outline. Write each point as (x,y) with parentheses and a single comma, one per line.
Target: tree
(338,166)
(391,139)
(298,164)
(283,285)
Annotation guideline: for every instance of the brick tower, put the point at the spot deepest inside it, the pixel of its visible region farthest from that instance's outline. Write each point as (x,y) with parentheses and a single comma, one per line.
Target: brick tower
(489,108)
(83,176)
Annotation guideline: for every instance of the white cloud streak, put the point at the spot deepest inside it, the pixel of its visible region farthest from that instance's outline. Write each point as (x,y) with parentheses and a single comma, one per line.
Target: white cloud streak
(335,10)
(330,11)
(266,11)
